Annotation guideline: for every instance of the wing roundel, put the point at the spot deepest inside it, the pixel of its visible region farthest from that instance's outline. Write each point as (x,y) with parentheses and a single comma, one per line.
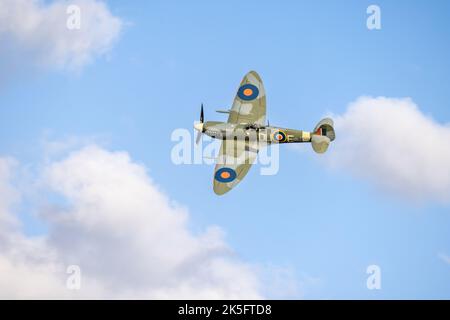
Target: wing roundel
(249,105)
(233,163)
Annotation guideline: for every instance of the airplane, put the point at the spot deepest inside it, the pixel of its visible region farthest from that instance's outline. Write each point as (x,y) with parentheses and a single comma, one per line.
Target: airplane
(245,132)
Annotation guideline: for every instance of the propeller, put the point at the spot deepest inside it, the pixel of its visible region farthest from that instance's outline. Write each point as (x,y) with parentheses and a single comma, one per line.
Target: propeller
(202,116)
(199,126)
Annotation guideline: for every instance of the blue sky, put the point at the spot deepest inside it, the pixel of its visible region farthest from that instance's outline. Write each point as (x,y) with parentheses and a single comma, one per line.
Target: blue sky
(315,57)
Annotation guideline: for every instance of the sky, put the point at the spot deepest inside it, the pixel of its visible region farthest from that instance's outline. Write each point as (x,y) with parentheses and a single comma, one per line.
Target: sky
(87,178)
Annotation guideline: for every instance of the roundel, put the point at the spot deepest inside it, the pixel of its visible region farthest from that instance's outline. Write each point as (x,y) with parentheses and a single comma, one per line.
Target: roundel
(225,175)
(279,136)
(248,92)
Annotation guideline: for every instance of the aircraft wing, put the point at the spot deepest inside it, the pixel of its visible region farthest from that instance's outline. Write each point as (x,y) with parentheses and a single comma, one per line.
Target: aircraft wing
(249,105)
(233,163)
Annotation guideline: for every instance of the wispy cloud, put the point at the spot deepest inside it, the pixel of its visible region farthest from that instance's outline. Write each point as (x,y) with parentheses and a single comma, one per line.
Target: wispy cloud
(444,257)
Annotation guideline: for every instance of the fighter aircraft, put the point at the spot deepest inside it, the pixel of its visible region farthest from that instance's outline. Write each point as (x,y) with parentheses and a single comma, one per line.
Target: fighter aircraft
(246,132)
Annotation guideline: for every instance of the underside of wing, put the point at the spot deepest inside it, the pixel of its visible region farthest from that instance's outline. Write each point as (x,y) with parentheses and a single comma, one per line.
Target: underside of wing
(249,105)
(233,163)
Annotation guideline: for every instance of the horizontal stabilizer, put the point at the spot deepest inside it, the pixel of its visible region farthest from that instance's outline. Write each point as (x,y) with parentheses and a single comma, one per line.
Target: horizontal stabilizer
(223,111)
(320,143)
(325,128)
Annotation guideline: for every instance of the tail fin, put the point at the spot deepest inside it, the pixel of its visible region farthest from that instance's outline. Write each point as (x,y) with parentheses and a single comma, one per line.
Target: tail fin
(322,135)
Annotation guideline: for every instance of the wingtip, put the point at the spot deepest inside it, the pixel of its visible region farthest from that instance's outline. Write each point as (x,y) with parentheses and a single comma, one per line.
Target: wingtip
(253,72)
(220,189)
(252,77)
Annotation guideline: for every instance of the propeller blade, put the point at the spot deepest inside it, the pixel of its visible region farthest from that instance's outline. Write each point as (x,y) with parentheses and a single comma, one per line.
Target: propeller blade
(199,136)
(201,114)
(200,128)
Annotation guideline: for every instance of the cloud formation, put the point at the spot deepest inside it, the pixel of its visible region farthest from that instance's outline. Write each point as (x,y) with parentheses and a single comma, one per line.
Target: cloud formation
(129,239)
(35,32)
(393,144)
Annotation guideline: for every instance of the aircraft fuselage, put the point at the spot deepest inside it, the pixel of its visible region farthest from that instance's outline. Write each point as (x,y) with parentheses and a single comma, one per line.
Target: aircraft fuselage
(267,134)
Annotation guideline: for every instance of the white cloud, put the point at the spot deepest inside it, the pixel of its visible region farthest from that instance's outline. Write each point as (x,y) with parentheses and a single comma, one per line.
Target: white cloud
(36,32)
(128,237)
(393,144)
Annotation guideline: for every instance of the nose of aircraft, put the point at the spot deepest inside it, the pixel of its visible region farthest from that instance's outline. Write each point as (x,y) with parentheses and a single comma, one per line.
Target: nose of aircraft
(198,126)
